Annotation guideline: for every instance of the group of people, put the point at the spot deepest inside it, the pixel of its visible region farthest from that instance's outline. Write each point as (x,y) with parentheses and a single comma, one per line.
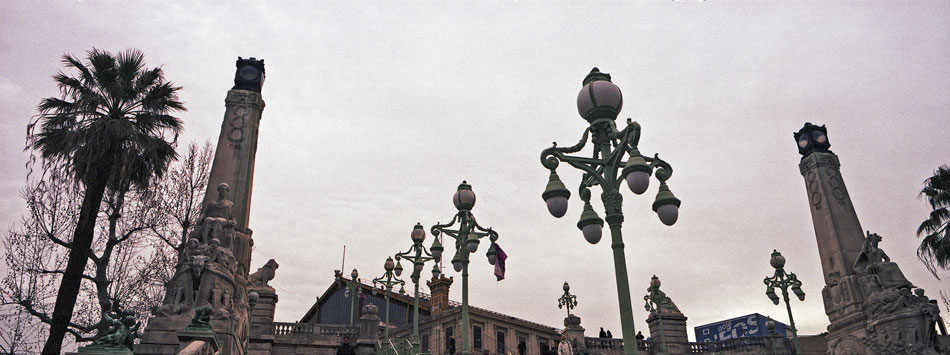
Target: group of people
(606,334)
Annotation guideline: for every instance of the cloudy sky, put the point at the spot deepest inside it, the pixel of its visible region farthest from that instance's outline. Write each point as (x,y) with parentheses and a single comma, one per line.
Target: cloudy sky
(376,111)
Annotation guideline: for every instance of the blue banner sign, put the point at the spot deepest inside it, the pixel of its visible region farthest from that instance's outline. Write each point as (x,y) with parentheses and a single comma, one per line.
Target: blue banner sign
(745,326)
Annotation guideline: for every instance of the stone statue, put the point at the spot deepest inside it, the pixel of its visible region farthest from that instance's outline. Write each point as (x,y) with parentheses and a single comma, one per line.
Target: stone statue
(221,257)
(202,317)
(873,261)
(263,274)
(216,216)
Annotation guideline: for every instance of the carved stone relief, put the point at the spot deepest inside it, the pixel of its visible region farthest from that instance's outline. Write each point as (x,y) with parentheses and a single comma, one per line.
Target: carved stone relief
(207,273)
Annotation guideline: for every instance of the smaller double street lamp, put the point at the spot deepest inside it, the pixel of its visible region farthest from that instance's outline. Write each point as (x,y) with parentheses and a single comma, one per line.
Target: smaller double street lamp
(567,300)
(353,291)
(783,281)
(656,300)
(418,256)
(466,237)
(389,280)
(599,102)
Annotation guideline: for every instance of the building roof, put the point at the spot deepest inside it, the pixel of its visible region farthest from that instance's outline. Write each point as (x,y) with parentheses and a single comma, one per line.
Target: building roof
(340,282)
(424,304)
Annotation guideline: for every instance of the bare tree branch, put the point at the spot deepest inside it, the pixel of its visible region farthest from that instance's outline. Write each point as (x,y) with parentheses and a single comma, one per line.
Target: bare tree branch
(138,235)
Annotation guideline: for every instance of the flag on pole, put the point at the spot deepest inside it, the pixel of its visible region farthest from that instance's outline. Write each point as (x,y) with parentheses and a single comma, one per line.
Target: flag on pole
(500,257)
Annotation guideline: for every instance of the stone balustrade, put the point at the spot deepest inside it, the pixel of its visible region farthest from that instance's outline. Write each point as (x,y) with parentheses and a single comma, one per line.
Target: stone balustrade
(737,346)
(306,329)
(750,345)
(611,345)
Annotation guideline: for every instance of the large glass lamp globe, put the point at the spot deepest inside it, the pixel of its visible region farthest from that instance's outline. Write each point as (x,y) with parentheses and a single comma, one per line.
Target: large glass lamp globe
(638,181)
(464,198)
(557,206)
(599,98)
(593,232)
(668,214)
(418,233)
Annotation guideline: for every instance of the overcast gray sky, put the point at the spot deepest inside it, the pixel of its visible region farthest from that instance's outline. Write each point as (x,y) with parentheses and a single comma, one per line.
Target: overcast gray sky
(377,110)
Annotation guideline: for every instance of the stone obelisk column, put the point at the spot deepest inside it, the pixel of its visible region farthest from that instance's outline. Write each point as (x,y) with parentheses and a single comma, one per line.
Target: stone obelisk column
(237,146)
(207,280)
(839,236)
(869,303)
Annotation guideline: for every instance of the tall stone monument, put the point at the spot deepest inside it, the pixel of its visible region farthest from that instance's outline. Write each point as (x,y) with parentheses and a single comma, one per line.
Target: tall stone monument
(212,270)
(872,307)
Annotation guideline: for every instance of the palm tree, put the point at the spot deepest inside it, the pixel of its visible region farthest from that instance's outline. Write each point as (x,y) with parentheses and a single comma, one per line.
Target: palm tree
(108,129)
(935,247)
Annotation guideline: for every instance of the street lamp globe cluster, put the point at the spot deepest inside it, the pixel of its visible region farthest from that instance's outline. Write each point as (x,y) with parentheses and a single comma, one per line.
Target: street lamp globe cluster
(388,280)
(784,281)
(567,300)
(599,102)
(467,234)
(418,256)
(353,291)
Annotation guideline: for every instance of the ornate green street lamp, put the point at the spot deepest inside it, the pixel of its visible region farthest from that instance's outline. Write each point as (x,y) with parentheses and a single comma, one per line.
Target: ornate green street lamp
(656,300)
(770,325)
(389,280)
(599,102)
(353,290)
(418,256)
(567,300)
(466,242)
(784,280)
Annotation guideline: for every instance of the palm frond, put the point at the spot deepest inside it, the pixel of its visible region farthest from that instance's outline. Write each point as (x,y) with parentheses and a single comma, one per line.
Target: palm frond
(85,75)
(937,188)
(934,249)
(938,219)
(113,113)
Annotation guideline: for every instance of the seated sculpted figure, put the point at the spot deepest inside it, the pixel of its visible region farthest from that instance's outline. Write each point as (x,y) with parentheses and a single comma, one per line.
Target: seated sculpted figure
(216,216)
(221,258)
(122,329)
(873,261)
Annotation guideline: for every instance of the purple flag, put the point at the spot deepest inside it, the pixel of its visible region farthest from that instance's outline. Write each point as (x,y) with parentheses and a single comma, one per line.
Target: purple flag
(500,257)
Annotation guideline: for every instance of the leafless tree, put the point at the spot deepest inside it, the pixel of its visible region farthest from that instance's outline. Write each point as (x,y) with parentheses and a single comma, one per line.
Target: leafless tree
(138,234)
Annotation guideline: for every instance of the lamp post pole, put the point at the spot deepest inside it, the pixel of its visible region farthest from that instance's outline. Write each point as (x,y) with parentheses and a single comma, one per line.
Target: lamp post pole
(655,301)
(770,325)
(389,280)
(418,256)
(353,290)
(599,102)
(466,237)
(784,280)
(567,300)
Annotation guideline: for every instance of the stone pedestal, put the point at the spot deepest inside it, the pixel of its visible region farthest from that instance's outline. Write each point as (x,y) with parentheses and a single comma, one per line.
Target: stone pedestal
(263,312)
(160,336)
(197,341)
(674,330)
(575,333)
(369,330)
(94,349)
(262,319)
